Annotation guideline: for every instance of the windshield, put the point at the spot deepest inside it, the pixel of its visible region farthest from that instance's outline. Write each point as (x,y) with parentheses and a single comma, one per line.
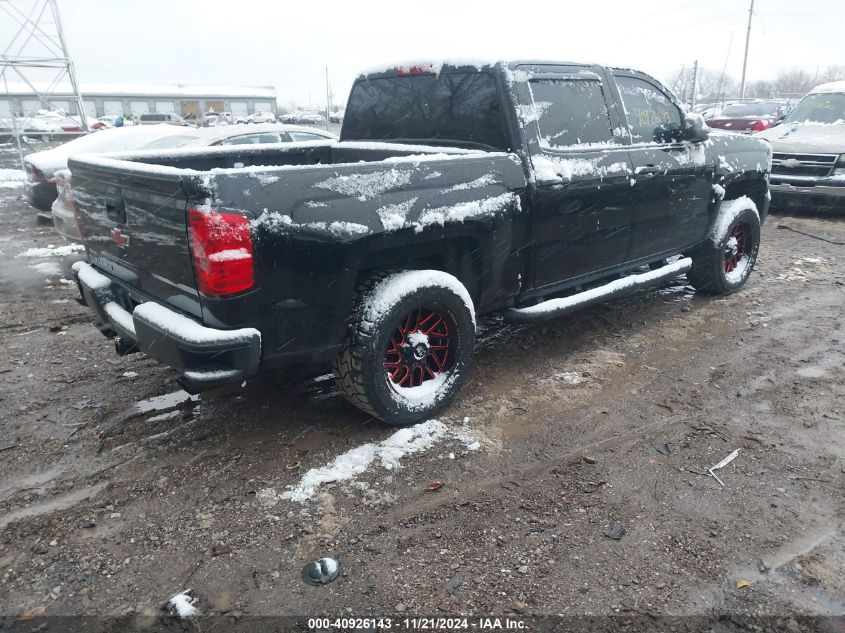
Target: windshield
(450,108)
(754,109)
(819,108)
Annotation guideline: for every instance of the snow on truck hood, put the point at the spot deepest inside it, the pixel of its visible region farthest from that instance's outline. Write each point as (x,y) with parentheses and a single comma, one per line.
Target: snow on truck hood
(806,138)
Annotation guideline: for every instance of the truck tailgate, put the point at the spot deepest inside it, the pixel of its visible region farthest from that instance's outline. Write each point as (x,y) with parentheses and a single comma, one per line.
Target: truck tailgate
(134,226)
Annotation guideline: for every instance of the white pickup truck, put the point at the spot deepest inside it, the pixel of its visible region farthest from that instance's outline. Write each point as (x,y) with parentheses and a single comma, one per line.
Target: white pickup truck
(808,145)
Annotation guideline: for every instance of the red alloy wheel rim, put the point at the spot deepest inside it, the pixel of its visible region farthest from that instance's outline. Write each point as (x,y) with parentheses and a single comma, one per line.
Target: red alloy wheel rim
(742,234)
(409,363)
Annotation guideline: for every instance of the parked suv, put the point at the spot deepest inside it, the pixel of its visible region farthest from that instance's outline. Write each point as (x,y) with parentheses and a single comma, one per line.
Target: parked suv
(525,188)
(808,165)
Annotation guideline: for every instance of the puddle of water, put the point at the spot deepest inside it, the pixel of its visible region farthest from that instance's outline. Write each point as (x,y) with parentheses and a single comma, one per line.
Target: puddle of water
(62,502)
(162,403)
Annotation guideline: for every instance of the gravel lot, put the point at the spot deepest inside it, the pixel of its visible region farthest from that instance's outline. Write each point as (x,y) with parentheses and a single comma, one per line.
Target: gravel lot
(594,426)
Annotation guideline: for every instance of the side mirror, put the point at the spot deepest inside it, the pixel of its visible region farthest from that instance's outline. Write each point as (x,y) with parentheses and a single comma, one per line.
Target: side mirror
(695,129)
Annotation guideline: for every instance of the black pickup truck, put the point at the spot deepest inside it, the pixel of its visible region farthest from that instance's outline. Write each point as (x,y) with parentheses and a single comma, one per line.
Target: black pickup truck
(525,188)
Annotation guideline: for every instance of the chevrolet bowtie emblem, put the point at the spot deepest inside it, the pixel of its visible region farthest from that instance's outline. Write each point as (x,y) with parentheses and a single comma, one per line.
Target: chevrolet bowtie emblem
(791,163)
(119,238)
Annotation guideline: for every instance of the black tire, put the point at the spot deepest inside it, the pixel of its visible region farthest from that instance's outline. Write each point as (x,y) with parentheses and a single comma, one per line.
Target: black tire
(379,361)
(723,264)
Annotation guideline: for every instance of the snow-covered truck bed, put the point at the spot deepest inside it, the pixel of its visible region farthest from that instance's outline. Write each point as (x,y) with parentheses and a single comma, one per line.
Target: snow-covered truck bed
(455,190)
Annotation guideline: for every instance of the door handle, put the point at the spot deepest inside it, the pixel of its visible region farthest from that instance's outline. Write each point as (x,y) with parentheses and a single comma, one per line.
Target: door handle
(647,170)
(116,210)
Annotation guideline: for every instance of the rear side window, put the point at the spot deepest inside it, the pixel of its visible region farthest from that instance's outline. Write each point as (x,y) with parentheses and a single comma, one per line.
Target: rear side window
(570,112)
(647,109)
(305,136)
(449,108)
(251,139)
(154,117)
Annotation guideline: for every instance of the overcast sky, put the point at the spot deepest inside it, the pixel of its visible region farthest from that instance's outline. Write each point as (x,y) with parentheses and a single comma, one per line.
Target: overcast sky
(288,44)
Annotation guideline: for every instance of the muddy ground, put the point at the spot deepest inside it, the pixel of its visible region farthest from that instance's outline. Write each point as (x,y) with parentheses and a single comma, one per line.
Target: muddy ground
(600,423)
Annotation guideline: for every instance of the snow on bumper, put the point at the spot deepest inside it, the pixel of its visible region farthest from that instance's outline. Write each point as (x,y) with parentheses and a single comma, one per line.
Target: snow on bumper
(206,357)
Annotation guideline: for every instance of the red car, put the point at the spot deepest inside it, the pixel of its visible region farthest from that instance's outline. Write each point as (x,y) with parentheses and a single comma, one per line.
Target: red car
(746,118)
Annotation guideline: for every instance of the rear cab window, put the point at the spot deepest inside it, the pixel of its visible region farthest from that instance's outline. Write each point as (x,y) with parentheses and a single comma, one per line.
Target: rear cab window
(461,107)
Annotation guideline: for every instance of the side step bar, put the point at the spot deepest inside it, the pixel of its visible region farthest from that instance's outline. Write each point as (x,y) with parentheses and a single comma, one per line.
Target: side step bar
(615,289)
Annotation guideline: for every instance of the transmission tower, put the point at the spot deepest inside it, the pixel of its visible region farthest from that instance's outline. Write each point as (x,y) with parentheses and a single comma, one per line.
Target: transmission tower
(36,55)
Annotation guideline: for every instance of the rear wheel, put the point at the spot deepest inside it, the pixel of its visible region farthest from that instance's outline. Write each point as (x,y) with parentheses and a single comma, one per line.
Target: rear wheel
(410,345)
(725,262)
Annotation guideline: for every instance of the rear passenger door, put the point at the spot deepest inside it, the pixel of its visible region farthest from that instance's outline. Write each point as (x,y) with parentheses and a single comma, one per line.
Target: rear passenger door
(671,185)
(580,200)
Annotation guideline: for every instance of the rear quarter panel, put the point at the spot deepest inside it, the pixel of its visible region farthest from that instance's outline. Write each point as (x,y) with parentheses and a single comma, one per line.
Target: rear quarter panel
(316,231)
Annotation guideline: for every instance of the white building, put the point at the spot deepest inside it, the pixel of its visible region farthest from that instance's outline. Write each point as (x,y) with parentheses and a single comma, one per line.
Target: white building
(113,99)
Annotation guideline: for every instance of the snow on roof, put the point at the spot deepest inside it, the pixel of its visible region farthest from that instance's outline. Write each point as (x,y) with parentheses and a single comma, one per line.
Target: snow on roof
(147,90)
(832,86)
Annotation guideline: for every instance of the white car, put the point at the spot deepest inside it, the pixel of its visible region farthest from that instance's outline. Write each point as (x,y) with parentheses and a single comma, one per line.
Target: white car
(808,151)
(40,167)
(261,116)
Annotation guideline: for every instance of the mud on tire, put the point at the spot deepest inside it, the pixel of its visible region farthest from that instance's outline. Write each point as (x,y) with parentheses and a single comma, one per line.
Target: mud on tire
(409,346)
(723,264)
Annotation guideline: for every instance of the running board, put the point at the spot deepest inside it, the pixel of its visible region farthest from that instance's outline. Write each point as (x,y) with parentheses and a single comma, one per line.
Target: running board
(615,289)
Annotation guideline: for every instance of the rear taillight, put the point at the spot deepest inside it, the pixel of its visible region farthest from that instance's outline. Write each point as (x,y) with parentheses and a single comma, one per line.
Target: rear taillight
(70,201)
(35,174)
(221,247)
(759,126)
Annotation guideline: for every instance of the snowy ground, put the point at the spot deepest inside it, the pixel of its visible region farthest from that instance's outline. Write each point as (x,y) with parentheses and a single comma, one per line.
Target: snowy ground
(119,492)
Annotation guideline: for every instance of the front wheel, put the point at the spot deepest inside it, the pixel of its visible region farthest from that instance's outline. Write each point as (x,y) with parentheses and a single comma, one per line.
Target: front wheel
(723,264)
(409,347)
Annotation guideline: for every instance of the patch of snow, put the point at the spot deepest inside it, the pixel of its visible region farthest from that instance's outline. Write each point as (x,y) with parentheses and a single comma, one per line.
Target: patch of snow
(393,216)
(182,327)
(182,604)
(381,299)
(51,250)
(718,192)
(417,338)
(119,316)
(90,277)
(478,183)
(230,254)
(729,210)
(831,86)
(10,178)
(388,453)
(555,169)
(573,378)
(264,178)
(47,268)
(466,210)
(366,186)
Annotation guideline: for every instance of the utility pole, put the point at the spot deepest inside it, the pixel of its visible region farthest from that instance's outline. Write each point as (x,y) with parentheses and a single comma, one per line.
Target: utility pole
(694,83)
(745,58)
(328,99)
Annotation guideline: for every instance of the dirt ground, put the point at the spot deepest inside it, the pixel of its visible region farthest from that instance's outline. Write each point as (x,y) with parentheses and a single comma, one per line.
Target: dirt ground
(589,427)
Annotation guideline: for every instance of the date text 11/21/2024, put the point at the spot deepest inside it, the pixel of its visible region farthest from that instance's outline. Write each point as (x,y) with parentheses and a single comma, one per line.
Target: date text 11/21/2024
(418,624)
